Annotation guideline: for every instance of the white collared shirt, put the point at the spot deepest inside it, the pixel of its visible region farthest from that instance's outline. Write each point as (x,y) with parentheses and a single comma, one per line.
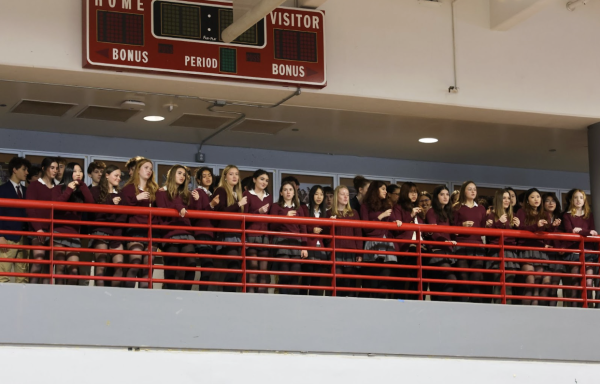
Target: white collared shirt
(474,205)
(41,180)
(15,185)
(209,193)
(289,206)
(266,194)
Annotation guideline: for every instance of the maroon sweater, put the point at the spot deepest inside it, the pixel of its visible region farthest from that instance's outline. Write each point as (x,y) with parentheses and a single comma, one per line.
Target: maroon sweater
(310,229)
(202,204)
(223,207)
(433,219)
(497,224)
(38,191)
(405,217)
(348,231)
(476,215)
(571,221)
(107,217)
(163,201)
(63,196)
(277,210)
(369,215)
(129,198)
(254,204)
(533,228)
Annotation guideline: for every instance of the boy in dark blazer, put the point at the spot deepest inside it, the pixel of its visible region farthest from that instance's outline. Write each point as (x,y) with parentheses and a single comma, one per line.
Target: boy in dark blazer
(13,189)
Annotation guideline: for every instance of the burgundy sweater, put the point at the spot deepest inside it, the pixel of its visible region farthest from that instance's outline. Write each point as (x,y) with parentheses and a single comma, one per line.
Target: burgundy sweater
(405,217)
(369,215)
(476,215)
(277,210)
(497,224)
(533,228)
(433,219)
(63,196)
(254,204)
(163,201)
(107,217)
(348,231)
(202,204)
(223,207)
(129,198)
(570,221)
(38,191)
(312,241)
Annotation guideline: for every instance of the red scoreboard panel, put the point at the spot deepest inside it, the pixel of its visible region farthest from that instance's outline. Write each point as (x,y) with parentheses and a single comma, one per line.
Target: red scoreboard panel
(184,37)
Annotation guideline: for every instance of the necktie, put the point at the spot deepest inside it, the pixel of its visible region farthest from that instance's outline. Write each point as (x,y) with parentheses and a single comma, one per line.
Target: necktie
(19,192)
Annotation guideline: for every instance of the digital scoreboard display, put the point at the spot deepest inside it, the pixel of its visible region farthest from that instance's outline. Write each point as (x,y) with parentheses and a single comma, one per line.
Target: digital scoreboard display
(287,47)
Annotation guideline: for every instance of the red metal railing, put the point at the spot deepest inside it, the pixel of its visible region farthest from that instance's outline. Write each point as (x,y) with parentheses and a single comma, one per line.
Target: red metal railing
(409,278)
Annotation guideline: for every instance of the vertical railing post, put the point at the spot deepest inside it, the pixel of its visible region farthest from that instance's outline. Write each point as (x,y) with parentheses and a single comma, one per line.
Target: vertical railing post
(244,254)
(150,254)
(420,265)
(502,270)
(583,271)
(51,245)
(333,266)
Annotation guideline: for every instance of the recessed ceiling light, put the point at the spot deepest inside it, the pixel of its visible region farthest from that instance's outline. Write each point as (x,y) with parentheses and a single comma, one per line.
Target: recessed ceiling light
(295,129)
(553,150)
(428,140)
(2,105)
(154,118)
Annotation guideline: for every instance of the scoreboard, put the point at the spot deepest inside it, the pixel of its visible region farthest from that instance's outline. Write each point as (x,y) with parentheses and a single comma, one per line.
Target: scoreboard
(176,37)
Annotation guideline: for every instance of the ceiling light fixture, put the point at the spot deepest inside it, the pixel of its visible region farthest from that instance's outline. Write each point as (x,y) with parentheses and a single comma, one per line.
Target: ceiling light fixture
(154,118)
(428,140)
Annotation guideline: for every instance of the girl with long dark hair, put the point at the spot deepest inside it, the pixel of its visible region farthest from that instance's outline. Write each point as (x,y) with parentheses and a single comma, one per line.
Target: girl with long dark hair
(440,213)
(377,207)
(204,201)
(259,203)
(534,218)
(41,189)
(72,189)
(407,211)
(289,205)
(316,209)
(107,192)
(361,185)
(552,206)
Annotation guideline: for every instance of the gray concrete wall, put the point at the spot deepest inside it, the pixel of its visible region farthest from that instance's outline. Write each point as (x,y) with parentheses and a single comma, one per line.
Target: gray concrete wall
(44,141)
(82,316)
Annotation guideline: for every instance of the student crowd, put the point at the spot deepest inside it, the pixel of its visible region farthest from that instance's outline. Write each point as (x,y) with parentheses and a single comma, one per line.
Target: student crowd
(57,180)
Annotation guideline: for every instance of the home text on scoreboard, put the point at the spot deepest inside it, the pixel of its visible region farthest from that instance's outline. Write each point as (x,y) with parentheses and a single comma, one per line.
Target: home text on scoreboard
(287,47)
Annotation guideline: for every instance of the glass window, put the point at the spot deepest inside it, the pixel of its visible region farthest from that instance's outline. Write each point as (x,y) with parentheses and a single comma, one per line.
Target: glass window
(4,171)
(306,183)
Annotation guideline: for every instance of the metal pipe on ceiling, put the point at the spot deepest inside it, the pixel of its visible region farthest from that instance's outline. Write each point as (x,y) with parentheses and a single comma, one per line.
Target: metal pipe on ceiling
(253,16)
(241,116)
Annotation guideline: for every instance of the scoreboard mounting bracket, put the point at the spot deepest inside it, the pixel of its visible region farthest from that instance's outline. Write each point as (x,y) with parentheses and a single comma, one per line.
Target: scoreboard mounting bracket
(178,37)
